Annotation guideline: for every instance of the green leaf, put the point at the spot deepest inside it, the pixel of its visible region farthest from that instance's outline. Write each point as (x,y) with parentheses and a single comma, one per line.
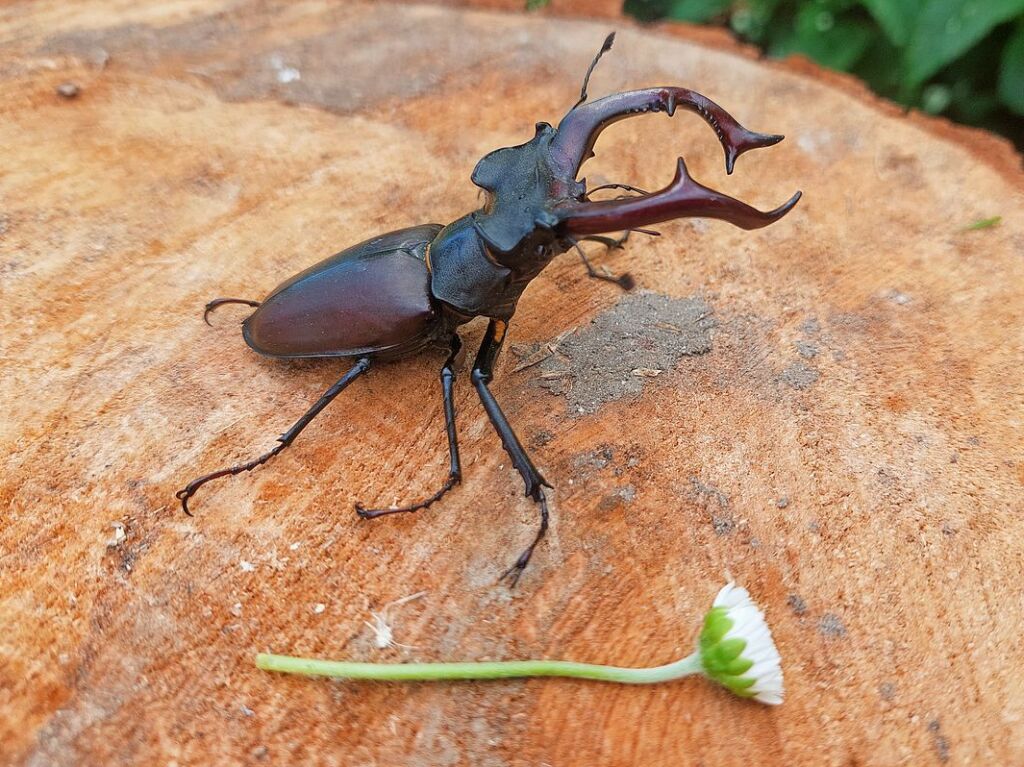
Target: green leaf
(832,41)
(761,8)
(972,106)
(936,98)
(946,29)
(696,11)
(895,17)
(983,223)
(1011,72)
(646,10)
(876,67)
(970,83)
(752,19)
(532,5)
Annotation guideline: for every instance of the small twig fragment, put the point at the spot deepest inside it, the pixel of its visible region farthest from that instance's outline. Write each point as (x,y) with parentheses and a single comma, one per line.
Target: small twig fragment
(542,353)
(983,223)
(647,372)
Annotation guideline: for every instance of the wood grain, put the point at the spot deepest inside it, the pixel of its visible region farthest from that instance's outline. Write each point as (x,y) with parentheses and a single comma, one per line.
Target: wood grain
(849,448)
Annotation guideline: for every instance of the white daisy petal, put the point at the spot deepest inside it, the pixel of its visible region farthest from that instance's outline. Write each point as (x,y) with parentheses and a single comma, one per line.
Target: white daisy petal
(734,616)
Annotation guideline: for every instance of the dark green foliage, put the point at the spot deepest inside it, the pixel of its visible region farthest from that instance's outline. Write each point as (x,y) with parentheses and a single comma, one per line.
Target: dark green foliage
(1011,71)
(961,58)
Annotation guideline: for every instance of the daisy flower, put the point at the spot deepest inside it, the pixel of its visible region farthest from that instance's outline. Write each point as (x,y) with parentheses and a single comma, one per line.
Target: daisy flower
(734,649)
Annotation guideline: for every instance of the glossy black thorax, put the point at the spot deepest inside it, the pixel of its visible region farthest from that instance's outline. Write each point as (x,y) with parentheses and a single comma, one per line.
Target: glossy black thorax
(482,263)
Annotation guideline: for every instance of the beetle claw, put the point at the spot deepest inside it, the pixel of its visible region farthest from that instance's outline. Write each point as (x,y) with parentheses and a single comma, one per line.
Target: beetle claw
(514,573)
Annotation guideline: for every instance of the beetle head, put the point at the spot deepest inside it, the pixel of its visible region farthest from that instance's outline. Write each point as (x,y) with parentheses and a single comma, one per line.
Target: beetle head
(523,187)
(534,199)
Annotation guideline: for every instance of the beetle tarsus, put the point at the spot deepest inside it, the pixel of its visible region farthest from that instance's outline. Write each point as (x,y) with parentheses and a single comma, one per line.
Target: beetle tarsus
(514,573)
(365,513)
(221,301)
(190,489)
(361,366)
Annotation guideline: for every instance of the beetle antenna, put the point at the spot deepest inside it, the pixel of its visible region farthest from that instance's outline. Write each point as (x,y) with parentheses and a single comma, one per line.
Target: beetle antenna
(607,46)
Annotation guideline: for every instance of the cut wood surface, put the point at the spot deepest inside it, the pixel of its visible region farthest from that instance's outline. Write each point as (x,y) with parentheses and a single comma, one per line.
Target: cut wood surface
(828,410)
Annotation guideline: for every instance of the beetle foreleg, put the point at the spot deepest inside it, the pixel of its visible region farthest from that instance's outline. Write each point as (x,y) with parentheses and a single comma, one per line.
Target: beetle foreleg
(624,187)
(624,280)
(611,243)
(483,372)
(455,466)
(361,366)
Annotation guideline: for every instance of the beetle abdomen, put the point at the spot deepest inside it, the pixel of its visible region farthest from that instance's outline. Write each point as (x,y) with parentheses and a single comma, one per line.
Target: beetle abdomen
(371,297)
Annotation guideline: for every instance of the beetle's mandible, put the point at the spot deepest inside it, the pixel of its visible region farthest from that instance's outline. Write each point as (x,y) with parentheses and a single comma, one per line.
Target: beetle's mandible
(409,290)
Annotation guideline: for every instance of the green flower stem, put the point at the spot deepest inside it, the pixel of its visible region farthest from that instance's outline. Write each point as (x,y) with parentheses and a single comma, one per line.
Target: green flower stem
(482,670)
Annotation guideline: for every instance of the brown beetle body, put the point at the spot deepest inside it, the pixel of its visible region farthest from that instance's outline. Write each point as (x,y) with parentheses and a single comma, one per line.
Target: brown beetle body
(334,309)
(410,289)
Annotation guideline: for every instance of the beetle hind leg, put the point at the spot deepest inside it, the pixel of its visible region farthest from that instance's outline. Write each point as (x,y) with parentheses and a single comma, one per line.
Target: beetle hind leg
(455,466)
(221,301)
(361,366)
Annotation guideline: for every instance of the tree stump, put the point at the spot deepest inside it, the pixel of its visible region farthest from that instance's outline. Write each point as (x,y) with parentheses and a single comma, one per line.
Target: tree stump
(828,410)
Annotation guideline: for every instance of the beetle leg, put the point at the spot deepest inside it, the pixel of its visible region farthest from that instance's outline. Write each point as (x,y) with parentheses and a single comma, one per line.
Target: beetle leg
(624,187)
(483,372)
(624,280)
(361,366)
(455,467)
(611,243)
(221,301)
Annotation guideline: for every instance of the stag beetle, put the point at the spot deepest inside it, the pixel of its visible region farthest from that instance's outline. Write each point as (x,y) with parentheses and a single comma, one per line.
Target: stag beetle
(409,290)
